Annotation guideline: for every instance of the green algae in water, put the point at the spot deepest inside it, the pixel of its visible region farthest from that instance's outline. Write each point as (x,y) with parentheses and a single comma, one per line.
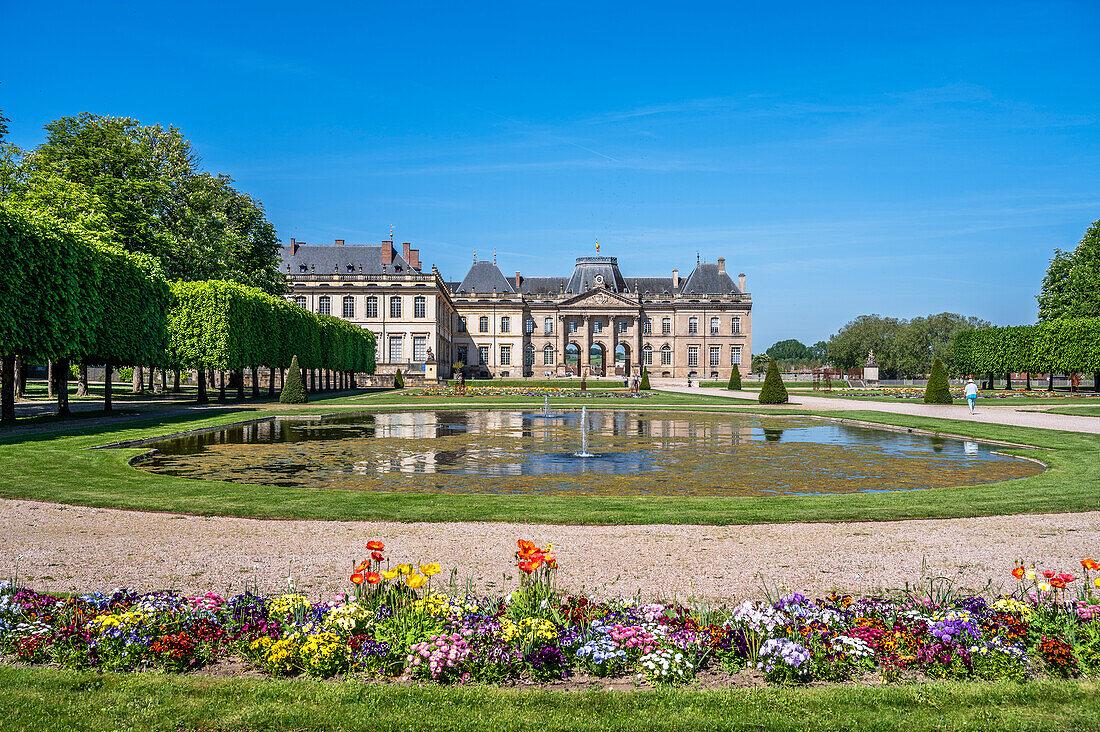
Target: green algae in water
(636,453)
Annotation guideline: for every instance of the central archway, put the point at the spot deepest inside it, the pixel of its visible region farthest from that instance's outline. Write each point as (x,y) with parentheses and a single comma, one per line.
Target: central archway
(597,359)
(622,359)
(572,358)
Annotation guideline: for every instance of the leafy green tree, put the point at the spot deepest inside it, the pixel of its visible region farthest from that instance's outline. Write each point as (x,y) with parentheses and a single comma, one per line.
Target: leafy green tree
(760,363)
(294,391)
(735,379)
(773,391)
(818,352)
(938,390)
(1071,287)
(789,350)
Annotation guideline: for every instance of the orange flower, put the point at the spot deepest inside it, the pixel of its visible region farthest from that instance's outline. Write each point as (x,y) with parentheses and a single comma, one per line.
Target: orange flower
(1057,582)
(531,565)
(375,546)
(1018,573)
(357,579)
(1090,564)
(362,565)
(526,546)
(376,556)
(374,578)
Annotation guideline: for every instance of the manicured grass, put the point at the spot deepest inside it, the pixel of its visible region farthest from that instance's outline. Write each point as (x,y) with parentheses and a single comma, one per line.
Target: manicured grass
(1093,411)
(604,382)
(48,699)
(57,468)
(988,398)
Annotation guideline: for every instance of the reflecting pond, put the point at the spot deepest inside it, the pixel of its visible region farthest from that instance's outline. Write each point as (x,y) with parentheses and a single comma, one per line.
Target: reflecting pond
(635,453)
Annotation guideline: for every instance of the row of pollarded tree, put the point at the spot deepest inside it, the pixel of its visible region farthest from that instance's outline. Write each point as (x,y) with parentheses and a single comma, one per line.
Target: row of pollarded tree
(1068,346)
(70,298)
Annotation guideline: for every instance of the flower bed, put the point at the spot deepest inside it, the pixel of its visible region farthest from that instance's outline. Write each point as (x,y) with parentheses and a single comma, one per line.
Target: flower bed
(393,625)
(528,391)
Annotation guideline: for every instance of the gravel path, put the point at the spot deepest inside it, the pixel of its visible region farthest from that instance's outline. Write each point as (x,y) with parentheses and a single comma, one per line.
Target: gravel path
(64,547)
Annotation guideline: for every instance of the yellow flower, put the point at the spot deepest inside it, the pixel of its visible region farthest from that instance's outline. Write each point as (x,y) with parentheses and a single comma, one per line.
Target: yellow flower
(1096,581)
(405,568)
(414,581)
(429,569)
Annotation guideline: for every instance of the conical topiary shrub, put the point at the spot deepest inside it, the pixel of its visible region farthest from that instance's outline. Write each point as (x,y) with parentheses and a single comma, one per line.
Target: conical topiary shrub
(398,380)
(938,390)
(645,380)
(294,391)
(735,379)
(773,391)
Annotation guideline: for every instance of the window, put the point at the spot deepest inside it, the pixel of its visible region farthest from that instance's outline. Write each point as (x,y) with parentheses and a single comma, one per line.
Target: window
(647,326)
(482,355)
(529,326)
(505,355)
(714,326)
(300,301)
(395,307)
(462,324)
(349,306)
(666,355)
(735,325)
(735,355)
(372,307)
(715,355)
(597,325)
(463,355)
(548,355)
(548,325)
(529,355)
(647,355)
(420,306)
(693,324)
(483,324)
(666,326)
(420,348)
(693,355)
(505,324)
(572,326)
(324,305)
(622,326)
(395,349)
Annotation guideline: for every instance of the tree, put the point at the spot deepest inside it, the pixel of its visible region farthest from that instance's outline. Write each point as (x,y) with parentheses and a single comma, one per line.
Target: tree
(644,385)
(294,391)
(902,348)
(789,350)
(818,352)
(735,379)
(1071,287)
(760,363)
(398,380)
(938,390)
(773,391)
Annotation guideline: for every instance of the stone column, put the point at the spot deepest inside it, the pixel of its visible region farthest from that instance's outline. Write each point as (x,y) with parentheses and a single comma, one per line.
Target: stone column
(586,356)
(639,364)
(563,330)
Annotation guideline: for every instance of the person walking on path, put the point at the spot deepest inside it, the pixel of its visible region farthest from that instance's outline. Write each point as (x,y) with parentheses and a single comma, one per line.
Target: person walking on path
(971,393)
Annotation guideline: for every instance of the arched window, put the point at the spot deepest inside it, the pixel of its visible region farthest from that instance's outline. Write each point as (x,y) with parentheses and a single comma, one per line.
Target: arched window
(372,307)
(420,306)
(300,301)
(395,307)
(349,306)
(483,324)
(647,355)
(548,325)
(548,355)
(666,355)
(505,324)
(693,324)
(324,305)
(529,355)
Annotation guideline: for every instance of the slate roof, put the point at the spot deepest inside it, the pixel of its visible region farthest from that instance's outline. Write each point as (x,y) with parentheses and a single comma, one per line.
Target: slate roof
(542,285)
(485,277)
(651,285)
(328,258)
(705,279)
(588,268)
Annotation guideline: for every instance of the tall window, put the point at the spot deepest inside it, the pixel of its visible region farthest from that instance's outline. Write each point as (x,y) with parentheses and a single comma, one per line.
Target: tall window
(483,355)
(529,355)
(420,306)
(372,307)
(300,301)
(647,355)
(715,355)
(483,324)
(735,325)
(647,326)
(548,325)
(324,305)
(693,325)
(420,348)
(693,355)
(597,325)
(666,355)
(505,324)
(622,325)
(572,326)
(395,307)
(349,306)
(666,326)
(714,326)
(463,355)
(396,355)
(548,355)
(505,355)
(462,324)
(735,355)
(529,326)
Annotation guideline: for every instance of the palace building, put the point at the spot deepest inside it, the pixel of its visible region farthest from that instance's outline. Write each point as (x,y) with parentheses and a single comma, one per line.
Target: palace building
(594,321)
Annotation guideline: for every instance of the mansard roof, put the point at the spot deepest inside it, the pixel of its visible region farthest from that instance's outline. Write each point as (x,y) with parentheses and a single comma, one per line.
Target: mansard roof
(542,285)
(708,279)
(588,269)
(651,285)
(329,258)
(484,277)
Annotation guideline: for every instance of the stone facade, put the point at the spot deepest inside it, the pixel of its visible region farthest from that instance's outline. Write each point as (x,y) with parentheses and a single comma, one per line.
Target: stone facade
(593,322)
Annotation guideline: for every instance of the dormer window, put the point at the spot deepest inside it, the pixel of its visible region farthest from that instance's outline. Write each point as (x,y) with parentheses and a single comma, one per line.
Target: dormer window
(397,268)
(351,268)
(302,268)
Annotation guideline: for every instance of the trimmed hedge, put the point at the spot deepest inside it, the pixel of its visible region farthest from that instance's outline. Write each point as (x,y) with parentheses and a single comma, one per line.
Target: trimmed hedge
(773,391)
(294,391)
(938,390)
(735,379)
(1061,346)
(645,381)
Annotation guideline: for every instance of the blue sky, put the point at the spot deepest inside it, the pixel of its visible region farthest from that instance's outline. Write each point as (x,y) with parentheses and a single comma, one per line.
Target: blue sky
(850,158)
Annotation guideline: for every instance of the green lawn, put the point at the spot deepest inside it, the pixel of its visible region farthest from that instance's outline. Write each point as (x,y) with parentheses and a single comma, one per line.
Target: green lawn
(987,398)
(1093,411)
(56,467)
(604,382)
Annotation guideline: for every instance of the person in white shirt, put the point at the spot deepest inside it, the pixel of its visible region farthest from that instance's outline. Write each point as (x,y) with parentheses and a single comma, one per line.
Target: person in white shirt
(971,393)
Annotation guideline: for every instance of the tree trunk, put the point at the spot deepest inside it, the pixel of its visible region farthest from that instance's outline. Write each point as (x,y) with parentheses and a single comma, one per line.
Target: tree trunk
(313,380)
(107,386)
(175,381)
(1050,382)
(282,378)
(991,381)
(8,377)
(82,380)
(20,377)
(152,376)
(1008,381)
(139,380)
(271,381)
(255,382)
(201,378)
(221,386)
(1096,380)
(61,371)
(164,381)
(50,376)
(240,383)
(1027,384)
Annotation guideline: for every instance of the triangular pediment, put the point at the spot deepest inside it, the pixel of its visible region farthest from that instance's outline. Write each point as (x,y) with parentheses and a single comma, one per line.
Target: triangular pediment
(599,298)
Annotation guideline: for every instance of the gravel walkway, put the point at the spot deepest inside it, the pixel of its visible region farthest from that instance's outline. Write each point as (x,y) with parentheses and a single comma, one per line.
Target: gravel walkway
(65,547)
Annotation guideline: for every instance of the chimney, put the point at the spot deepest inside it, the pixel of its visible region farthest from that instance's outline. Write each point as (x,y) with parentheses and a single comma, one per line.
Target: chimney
(741,282)
(293,246)
(387,253)
(721,265)
(415,261)
(339,242)
(675,278)
(405,253)
(517,279)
